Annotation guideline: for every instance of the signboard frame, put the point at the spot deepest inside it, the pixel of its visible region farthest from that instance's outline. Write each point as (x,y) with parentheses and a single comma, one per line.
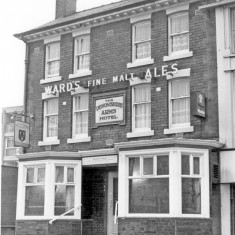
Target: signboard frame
(105,96)
(21,134)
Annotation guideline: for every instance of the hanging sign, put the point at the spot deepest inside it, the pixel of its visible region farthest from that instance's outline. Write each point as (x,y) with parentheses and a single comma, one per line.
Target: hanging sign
(21,134)
(198,107)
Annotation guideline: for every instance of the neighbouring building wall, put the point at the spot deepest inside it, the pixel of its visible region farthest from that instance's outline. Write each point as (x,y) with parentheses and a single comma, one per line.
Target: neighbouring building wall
(8,203)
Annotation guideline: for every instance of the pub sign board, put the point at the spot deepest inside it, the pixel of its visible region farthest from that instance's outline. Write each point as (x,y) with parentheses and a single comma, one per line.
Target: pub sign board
(198,107)
(109,109)
(21,137)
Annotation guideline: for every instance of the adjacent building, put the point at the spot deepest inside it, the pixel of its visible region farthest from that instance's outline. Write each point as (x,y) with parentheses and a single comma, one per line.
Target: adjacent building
(128,137)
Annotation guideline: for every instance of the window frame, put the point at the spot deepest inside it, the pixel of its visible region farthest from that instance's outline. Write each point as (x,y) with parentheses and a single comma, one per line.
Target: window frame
(48,61)
(134,129)
(45,118)
(175,184)
(77,40)
(135,43)
(170,100)
(170,17)
(232,28)
(49,188)
(10,148)
(75,136)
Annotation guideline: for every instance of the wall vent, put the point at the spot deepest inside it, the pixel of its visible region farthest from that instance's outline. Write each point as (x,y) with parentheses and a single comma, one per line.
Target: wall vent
(215,174)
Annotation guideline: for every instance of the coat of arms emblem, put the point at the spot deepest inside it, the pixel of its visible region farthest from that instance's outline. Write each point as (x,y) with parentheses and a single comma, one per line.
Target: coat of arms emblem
(22,135)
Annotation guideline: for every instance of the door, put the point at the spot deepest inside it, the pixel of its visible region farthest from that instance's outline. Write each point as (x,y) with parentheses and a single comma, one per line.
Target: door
(112,226)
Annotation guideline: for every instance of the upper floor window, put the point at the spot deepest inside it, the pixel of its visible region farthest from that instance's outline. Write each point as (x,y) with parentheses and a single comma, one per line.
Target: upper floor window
(179,93)
(232,13)
(50,119)
(34,190)
(178,32)
(142,40)
(52,59)
(80,115)
(141,107)
(82,53)
(10,148)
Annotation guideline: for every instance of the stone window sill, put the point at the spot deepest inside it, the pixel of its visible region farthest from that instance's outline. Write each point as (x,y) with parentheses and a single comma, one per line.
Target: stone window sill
(51,79)
(176,56)
(79,140)
(48,142)
(82,73)
(140,134)
(178,130)
(138,63)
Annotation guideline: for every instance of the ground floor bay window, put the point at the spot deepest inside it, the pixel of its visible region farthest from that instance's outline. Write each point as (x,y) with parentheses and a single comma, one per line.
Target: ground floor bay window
(171,182)
(49,188)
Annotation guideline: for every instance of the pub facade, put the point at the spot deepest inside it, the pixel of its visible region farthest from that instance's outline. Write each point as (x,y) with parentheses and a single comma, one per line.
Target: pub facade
(125,132)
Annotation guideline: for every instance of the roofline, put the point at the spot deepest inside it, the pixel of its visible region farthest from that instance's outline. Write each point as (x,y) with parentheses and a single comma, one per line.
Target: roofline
(116,14)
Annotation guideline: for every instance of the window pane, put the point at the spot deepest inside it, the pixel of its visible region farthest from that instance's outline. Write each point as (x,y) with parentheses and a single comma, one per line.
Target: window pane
(81,123)
(70,175)
(143,115)
(148,166)
(191,196)
(41,175)
(11,152)
(34,200)
(53,68)
(59,174)
(179,23)
(142,32)
(196,165)
(83,44)
(148,195)
(81,102)
(180,88)
(162,165)
(181,111)
(10,142)
(53,51)
(83,62)
(143,50)
(134,166)
(30,175)
(185,168)
(52,106)
(142,94)
(64,199)
(52,126)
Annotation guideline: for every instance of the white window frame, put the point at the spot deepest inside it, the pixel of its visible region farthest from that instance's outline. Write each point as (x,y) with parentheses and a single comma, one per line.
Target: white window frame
(76,71)
(54,77)
(175,183)
(233,106)
(232,26)
(174,12)
(182,127)
(79,137)
(140,19)
(138,132)
(49,189)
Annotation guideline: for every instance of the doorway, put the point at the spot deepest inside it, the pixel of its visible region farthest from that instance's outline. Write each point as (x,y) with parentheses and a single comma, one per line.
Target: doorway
(112,203)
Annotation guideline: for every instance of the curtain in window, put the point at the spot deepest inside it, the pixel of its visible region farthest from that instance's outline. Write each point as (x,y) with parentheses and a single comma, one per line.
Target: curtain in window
(81,114)
(53,57)
(180,101)
(142,99)
(143,34)
(83,47)
(179,32)
(52,117)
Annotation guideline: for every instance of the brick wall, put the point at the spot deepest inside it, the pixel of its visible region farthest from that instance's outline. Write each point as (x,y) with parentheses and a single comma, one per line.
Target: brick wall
(164,226)
(109,57)
(8,199)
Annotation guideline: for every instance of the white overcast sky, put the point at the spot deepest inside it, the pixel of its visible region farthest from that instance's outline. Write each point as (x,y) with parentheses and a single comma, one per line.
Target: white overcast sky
(18,16)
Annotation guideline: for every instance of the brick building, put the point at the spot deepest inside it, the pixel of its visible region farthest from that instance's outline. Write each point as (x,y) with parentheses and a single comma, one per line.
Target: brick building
(126,132)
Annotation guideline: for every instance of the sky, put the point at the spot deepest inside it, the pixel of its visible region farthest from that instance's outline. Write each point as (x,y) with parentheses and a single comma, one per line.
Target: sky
(18,16)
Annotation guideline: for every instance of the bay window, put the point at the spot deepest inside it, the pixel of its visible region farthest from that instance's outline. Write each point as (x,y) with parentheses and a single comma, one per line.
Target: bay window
(64,189)
(34,190)
(49,188)
(167,182)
